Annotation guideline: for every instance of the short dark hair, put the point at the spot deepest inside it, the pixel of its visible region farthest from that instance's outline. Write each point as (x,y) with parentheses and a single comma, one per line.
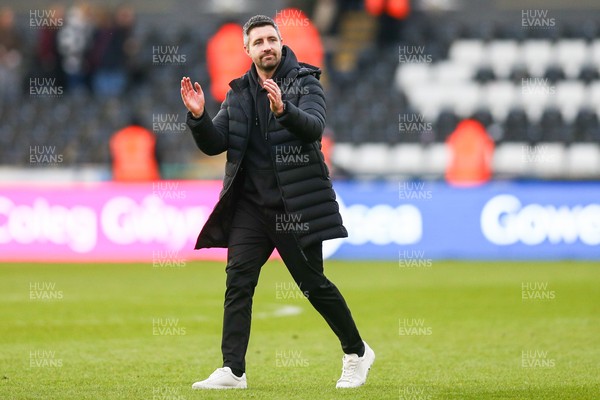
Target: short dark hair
(258,21)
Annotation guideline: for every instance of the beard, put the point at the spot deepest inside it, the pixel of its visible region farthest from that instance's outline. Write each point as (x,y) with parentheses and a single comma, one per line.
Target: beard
(270,64)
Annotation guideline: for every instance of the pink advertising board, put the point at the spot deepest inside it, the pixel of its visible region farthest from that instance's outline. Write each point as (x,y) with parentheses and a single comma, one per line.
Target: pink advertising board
(149,222)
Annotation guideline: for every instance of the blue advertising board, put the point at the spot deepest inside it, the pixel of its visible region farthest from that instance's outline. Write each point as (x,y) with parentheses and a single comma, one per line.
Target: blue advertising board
(501,220)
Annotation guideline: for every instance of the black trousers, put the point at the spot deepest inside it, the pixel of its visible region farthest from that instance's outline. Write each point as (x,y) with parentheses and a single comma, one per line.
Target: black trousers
(253,237)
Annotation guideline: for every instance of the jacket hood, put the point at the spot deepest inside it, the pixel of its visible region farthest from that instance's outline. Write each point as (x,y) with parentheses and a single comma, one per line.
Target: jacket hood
(291,62)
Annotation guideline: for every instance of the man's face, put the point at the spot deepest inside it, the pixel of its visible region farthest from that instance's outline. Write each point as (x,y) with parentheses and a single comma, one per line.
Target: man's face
(264,48)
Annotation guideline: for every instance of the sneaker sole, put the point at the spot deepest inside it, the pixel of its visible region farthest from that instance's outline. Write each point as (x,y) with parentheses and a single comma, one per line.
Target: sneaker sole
(218,387)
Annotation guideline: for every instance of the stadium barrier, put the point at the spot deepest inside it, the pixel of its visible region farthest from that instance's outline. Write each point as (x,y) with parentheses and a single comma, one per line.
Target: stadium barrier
(411,222)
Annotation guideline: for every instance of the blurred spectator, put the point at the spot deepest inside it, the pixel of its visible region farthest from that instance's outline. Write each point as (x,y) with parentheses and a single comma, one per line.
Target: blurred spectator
(226,58)
(112,50)
(324,16)
(298,32)
(10,55)
(74,43)
(471,152)
(48,57)
(389,12)
(133,152)
(338,10)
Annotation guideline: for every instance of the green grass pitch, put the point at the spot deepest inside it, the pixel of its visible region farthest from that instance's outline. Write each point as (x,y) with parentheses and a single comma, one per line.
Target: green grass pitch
(446,330)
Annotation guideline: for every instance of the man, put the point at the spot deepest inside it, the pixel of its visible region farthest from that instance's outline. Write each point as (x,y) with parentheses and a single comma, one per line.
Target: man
(260,124)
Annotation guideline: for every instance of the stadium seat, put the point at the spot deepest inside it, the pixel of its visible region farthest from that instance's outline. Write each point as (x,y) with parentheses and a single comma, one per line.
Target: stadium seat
(466,99)
(594,52)
(593,96)
(344,155)
(518,74)
(483,116)
(445,124)
(516,126)
(484,74)
(448,94)
(426,99)
(583,161)
(510,160)
(534,98)
(536,54)
(589,73)
(552,127)
(586,127)
(502,55)
(554,73)
(468,51)
(449,71)
(569,98)
(571,54)
(499,97)
(547,160)
(406,159)
(435,159)
(371,159)
(413,74)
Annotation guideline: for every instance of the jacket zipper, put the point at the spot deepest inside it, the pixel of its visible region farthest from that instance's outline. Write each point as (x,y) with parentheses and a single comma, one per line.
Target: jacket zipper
(267,125)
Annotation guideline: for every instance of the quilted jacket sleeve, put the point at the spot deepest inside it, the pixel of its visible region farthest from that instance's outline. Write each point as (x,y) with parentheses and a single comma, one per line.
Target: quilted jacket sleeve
(211,136)
(307,120)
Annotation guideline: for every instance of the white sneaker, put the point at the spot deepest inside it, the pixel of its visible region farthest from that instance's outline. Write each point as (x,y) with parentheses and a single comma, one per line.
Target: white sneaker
(222,378)
(355,369)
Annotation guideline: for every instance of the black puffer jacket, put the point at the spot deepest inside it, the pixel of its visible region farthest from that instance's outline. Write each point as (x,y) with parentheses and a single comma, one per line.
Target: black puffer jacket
(304,182)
